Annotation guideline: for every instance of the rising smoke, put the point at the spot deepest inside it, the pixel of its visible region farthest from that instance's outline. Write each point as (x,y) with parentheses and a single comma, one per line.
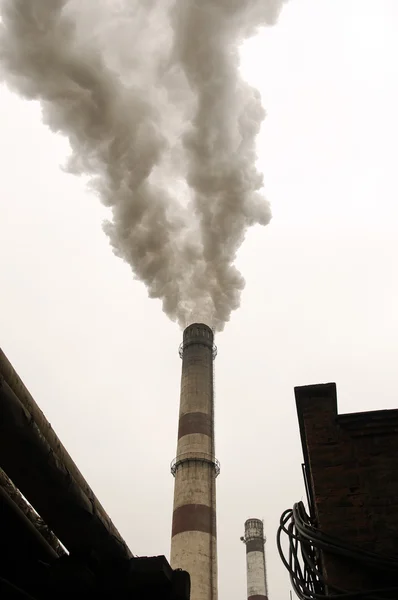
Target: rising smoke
(148,93)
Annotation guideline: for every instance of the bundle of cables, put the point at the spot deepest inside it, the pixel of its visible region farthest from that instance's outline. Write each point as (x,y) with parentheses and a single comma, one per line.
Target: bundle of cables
(306,543)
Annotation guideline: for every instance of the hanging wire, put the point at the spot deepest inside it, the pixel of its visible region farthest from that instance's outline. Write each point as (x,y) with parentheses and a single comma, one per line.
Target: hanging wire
(304,559)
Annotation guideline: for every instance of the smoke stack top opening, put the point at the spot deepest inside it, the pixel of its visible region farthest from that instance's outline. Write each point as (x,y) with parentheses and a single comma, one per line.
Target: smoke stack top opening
(198,333)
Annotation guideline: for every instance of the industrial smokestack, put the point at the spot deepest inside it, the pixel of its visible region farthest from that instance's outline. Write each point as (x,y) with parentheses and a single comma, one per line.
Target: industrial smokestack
(254,539)
(195,468)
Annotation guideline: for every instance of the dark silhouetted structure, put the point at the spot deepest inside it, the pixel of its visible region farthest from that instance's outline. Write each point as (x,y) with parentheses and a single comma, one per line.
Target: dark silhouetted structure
(72,549)
(350,538)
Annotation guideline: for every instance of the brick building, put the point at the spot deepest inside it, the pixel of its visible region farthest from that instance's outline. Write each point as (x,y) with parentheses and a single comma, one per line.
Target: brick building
(351,471)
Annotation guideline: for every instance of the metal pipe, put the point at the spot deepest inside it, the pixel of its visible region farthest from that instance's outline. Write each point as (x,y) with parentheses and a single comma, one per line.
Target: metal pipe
(10,591)
(19,537)
(15,496)
(17,386)
(49,486)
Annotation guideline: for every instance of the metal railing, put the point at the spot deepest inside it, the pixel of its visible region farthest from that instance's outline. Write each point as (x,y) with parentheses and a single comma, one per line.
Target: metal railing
(184,345)
(194,457)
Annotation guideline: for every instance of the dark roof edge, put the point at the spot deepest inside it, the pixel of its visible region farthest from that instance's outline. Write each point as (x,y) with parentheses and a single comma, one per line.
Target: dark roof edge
(301,393)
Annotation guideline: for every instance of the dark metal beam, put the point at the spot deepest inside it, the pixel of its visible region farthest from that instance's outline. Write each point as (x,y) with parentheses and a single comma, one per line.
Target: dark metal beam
(19,539)
(8,591)
(27,457)
(16,385)
(7,487)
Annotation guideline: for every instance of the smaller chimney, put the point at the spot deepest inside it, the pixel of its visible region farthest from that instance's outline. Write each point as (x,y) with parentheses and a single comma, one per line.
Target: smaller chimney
(254,540)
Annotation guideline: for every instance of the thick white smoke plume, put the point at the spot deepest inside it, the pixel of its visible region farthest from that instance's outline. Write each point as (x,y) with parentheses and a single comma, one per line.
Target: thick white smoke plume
(149,94)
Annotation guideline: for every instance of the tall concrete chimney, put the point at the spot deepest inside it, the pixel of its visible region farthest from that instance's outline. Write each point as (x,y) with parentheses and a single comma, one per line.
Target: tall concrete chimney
(195,468)
(254,539)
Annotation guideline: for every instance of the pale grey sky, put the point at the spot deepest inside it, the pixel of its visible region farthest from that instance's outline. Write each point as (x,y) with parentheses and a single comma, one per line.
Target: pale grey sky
(319,305)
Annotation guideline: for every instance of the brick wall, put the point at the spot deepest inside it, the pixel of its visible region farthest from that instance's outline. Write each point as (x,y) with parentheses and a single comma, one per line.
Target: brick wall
(352,466)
